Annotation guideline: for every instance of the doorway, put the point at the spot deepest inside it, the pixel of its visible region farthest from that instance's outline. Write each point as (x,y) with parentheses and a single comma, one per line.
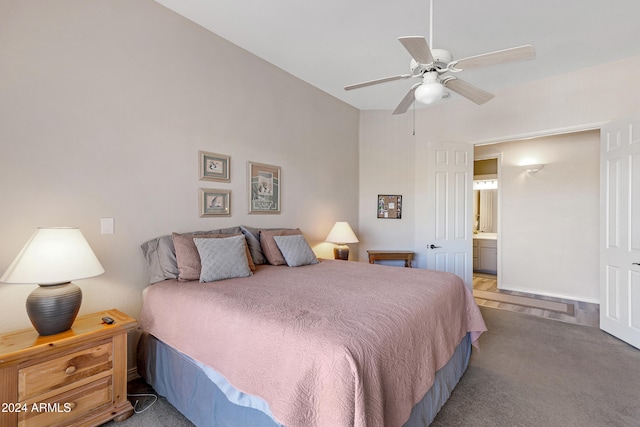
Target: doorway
(486,220)
(547,235)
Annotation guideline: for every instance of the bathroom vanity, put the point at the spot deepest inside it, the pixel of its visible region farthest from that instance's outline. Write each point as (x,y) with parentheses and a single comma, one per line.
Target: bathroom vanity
(485,252)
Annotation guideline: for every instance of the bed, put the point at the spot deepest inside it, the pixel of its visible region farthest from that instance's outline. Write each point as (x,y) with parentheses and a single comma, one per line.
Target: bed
(324,343)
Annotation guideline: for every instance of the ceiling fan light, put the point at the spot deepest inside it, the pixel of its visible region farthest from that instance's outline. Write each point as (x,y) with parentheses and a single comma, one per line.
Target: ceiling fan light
(428,93)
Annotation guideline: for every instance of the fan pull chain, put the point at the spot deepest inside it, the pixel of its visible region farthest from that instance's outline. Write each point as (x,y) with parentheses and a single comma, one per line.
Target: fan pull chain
(414,118)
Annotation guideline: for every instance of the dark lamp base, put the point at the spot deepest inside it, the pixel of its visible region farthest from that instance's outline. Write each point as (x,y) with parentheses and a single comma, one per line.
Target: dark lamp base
(53,308)
(341,252)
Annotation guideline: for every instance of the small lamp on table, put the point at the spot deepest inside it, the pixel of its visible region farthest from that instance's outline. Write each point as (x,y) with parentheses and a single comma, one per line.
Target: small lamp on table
(341,234)
(52,258)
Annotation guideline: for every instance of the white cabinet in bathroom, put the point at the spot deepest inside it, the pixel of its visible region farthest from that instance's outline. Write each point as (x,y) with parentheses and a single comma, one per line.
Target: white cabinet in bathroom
(485,255)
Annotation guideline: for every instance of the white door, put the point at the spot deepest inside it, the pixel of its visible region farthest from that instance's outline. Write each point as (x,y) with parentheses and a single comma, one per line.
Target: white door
(450,209)
(620,229)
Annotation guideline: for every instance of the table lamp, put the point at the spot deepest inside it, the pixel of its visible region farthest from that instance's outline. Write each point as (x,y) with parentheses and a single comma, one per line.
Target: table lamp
(52,258)
(341,234)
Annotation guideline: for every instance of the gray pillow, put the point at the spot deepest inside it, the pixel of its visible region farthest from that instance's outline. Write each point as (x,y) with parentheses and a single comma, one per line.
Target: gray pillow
(160,254)
(253,240)
(161,259)
(295,250)
(222,258)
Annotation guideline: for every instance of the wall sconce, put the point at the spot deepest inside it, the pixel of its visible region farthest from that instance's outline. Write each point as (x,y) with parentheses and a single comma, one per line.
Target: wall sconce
(533,168)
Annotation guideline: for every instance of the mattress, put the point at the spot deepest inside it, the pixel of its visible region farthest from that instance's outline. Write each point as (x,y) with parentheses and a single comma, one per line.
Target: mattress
(336,343)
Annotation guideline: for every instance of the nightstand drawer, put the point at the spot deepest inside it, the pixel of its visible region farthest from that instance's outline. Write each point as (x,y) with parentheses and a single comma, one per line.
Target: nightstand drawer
(52,374)
(58,410)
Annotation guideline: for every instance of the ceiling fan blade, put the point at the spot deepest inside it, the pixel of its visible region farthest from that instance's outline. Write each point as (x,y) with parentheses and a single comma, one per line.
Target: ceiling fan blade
(407,100)
(377,81)
(520,53)
(468,90)
(418,47)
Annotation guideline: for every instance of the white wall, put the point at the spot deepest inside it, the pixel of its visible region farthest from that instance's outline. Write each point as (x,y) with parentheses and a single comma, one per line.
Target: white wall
(573,101)
(104,105)
(549,220)
(386,167)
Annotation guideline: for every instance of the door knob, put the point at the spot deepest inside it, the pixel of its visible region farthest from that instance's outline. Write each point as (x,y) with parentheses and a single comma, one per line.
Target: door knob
(432,246)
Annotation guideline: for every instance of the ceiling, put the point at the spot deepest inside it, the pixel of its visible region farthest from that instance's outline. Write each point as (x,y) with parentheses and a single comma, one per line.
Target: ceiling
(333,43)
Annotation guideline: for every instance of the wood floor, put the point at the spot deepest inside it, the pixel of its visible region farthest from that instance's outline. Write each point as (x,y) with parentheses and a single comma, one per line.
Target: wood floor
(583,313)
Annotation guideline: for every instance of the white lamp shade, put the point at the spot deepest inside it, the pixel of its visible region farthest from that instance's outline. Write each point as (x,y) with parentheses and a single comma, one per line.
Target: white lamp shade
(429,92)
(51,256)
(341,233)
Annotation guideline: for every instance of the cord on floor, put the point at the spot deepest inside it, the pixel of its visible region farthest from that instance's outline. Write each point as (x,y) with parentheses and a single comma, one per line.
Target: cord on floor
(135,406)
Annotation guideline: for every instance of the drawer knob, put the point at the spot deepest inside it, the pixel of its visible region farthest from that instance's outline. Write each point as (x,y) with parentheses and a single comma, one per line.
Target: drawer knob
(70,370)
(72,406)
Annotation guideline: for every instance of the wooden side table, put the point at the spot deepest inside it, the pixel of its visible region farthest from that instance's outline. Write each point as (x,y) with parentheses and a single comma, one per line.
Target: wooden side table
(74,378)
(406,256)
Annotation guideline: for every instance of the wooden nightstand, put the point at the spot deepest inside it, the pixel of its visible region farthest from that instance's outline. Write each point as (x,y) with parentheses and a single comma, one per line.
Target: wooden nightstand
(75,378)
(406,256)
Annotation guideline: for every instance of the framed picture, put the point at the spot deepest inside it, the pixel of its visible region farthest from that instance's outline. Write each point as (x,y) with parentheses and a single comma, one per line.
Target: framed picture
(264,188)
(389,206)
(214,167)
(215,202)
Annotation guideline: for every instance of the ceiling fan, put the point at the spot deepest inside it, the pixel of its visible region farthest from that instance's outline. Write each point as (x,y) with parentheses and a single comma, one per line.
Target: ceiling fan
(431,64)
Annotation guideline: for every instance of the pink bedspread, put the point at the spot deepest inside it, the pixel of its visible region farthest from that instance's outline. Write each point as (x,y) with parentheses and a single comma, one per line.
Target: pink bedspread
(332,344)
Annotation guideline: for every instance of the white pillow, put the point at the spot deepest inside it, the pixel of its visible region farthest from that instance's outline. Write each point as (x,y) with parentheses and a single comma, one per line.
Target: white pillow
(222,258)
(295,250)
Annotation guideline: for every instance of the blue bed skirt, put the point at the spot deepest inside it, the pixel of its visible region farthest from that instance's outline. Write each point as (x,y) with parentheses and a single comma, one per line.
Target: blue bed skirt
(207,399)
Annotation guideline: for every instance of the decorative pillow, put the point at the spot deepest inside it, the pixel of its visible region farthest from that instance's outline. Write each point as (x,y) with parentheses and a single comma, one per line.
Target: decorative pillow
(296,250)
(160,254)
(253,240)
(223,258)
(188,259)
(269,246)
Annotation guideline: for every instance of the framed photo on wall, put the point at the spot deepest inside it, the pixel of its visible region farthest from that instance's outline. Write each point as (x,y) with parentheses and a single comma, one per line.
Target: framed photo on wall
(214,167)
(214,202)
(389,206)
(264,188)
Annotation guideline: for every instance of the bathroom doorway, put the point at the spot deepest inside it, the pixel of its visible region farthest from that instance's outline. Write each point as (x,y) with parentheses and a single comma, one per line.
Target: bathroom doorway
(486,221)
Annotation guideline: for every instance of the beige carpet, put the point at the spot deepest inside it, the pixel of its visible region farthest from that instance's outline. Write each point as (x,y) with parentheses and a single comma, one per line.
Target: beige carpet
(525,301)
(534,372)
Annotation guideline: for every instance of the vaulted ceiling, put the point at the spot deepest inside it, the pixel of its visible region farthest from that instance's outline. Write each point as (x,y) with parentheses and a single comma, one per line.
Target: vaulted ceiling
(333,43)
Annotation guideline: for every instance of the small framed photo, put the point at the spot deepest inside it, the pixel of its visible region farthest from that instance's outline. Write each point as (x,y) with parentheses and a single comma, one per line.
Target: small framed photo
(389,206)
(264,188)
(215,202)
(214,167)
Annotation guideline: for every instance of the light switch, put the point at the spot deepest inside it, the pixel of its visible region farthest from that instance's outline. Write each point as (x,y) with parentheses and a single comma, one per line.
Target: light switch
(107,226)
